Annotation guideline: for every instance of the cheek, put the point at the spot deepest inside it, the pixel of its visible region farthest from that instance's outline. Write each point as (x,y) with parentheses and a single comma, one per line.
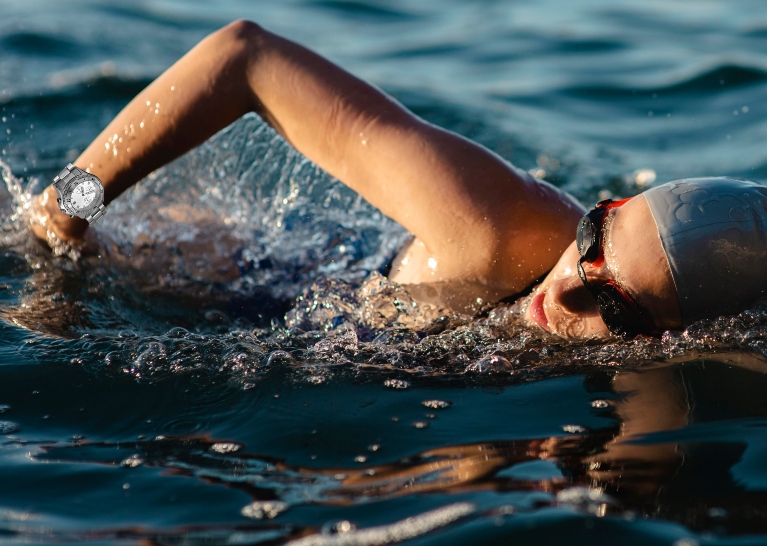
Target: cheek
(571,297)
(572,312)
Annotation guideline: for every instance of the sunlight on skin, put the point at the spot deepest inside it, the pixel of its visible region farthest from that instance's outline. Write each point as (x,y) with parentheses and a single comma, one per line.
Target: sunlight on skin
(478,221)
(634,257)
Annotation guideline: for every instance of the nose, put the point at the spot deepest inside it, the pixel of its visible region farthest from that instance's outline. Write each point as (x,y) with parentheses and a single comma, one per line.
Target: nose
(573,297)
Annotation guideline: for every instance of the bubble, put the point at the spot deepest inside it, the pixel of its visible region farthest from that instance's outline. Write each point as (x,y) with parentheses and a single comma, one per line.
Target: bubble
(360,459)
(717,513)
(344,527)
(216,317)
(580,495)
(132,462)
(397,384)
(421,424)
(574,429)
(490,364)
(264,509)
(225,447)
(436,404)
(374,447)
(278,357)
(8,427)
(177,333)
(600,404)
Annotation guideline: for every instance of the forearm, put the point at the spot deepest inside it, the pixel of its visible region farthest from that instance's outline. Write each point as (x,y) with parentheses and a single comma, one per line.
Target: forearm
(200,94)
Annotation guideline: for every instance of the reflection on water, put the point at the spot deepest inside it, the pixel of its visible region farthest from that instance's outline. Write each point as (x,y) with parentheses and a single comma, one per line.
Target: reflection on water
(666,451)
(226,363)
(192,291)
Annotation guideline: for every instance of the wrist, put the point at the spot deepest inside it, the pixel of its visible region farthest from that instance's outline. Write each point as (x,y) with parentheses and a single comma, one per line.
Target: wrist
(49,216)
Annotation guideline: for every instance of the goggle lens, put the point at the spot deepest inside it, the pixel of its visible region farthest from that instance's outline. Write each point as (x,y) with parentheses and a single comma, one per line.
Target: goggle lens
(618,311)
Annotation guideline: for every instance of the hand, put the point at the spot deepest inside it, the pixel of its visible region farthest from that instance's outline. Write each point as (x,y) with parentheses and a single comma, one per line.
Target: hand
(49,224)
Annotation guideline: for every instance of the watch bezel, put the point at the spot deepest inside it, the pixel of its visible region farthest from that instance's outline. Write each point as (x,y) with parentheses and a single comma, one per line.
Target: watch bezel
(66,195)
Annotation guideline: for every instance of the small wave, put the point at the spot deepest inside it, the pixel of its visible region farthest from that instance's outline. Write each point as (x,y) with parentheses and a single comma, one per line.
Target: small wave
(148,14)
(364,10)
(37,44)
(69,88)
(714,81)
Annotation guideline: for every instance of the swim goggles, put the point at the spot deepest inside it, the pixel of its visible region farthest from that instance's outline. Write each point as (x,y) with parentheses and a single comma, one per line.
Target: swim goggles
(619,311)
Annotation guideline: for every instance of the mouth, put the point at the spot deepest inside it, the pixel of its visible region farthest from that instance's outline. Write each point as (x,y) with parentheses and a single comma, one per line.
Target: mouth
(537,313)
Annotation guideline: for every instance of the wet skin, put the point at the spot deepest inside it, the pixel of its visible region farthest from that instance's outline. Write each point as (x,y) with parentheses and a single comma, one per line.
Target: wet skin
(634,258)
(478,222)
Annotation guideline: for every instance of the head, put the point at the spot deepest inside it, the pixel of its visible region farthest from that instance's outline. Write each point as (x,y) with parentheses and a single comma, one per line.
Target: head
(682,251)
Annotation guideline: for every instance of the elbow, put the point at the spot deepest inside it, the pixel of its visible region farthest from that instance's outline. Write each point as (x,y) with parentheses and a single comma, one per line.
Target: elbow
(243,29)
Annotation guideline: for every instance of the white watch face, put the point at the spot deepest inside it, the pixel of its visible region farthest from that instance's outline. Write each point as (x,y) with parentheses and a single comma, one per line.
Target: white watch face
(83,194)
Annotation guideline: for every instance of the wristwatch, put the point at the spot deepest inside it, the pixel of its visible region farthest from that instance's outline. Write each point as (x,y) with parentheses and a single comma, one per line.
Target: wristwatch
(80,193)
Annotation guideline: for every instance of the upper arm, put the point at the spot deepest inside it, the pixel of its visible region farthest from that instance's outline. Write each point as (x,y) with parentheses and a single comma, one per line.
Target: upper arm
(447,190)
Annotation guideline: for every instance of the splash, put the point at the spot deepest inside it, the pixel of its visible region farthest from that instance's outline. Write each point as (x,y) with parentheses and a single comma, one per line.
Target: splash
(242,257)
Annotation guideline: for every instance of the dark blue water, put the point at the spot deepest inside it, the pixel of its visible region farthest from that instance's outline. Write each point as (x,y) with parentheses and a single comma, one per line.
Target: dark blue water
(229,365)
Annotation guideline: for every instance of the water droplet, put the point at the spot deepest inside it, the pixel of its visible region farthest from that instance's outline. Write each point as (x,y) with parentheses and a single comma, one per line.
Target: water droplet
(600,404)
(360,459)
(374,447)
(421,424)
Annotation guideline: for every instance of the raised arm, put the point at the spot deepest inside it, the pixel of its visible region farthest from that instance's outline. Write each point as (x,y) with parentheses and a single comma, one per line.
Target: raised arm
(478,216)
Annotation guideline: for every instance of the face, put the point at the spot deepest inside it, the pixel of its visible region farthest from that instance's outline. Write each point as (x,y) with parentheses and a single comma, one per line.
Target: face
(83,195)
(634,258)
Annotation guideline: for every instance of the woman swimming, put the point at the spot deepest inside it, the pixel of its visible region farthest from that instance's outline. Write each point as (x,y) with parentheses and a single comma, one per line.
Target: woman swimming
(479,223)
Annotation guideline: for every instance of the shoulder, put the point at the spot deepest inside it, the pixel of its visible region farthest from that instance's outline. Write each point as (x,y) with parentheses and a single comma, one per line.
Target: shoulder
(524,229)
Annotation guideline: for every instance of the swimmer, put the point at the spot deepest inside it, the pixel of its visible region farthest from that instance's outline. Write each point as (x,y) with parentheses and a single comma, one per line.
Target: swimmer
(659,261)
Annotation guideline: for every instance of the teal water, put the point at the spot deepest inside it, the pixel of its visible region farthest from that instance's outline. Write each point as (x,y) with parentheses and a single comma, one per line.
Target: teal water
(230,366)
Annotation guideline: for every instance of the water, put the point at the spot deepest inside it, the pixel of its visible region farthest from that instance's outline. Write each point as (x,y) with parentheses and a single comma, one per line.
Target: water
(227,364)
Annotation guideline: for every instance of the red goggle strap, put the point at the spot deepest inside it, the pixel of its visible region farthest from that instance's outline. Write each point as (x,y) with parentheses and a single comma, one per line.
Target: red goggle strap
(607,204)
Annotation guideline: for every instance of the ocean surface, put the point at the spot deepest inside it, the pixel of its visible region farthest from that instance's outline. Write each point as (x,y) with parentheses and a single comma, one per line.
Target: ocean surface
(230,365)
